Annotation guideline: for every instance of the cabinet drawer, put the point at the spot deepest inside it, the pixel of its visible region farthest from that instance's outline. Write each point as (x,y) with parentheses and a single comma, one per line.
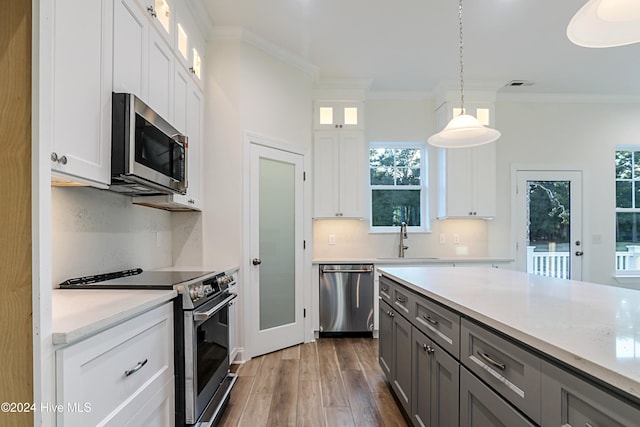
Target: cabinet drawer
(440,324)
(509,369)
(112,368)
(402,301)
(480,406)
(385,290)
(568,400)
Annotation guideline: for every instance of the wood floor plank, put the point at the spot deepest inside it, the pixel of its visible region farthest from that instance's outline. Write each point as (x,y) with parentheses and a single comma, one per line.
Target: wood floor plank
(267,375)
(339,417)
(368,358)
(285,395)
(256,412)
(304,386)
(310,411)
(250,367)
(347,359)
(363,405)
(333,392)
(388,407)
(291,352)
(309,367)
(237,401)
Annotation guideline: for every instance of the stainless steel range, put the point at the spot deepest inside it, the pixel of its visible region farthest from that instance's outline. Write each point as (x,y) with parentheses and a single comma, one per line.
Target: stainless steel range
(203,381)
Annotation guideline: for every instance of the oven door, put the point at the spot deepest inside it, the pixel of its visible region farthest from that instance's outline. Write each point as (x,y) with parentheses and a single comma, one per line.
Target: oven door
(206,354)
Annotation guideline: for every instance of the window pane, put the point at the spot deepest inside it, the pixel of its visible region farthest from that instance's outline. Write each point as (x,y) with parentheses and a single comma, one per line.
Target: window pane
(409,157)
(351,116)
(381,175)
(623,194)
(623,165)
(406,176)
(392,207)
(636,164)
(627,230)
(326,115)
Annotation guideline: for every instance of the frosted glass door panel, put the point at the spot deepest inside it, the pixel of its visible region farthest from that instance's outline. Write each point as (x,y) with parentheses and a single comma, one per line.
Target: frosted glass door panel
(277,238)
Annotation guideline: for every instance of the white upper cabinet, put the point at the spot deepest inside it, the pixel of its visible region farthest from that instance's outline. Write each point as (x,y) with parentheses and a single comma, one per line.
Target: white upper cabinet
(160,76)
(467,176)
(162,14)
(345,115)
(467,182)
(189,43)
(131,41)
(338,174)
(78,54)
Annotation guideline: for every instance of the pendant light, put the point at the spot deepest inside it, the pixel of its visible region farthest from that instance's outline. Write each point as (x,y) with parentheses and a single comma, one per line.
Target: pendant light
(463,130)
(606,23)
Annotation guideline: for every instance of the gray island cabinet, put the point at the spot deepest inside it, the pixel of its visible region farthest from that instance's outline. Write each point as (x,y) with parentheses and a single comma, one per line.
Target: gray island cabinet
(487,347)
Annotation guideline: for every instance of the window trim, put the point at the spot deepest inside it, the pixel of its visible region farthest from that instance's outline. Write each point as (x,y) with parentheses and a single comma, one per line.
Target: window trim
(425,218)
(634,148)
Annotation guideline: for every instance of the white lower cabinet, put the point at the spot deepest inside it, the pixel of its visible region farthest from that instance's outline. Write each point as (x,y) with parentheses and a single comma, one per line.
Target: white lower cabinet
(122,376)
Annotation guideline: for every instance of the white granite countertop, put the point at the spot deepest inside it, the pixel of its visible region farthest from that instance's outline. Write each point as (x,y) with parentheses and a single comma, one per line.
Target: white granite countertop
(594,328)
(412,260)
(78,313)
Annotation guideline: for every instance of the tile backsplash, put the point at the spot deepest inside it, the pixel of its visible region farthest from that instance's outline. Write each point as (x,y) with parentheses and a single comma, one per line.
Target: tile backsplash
(95,231)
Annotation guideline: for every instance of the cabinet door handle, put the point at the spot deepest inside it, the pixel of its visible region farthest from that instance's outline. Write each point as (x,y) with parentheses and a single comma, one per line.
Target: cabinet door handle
(136,368)
(401,299)
(152,11)
(430,320)
(489,360)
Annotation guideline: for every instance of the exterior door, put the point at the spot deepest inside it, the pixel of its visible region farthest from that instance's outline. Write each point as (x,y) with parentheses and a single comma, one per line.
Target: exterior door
(549,223)
(276,241)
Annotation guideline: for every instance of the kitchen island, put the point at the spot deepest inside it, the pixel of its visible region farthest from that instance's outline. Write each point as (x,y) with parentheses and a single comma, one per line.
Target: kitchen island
(588,331)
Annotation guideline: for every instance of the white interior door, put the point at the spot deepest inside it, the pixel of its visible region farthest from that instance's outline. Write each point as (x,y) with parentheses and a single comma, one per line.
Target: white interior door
(548,223)
(276,241)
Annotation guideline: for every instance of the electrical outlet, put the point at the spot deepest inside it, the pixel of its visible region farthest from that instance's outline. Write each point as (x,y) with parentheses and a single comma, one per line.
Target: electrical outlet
(443,238)
(456,238)
(332,239)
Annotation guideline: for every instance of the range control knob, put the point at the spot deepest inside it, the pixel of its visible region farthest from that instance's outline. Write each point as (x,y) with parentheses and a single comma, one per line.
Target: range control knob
(193,294)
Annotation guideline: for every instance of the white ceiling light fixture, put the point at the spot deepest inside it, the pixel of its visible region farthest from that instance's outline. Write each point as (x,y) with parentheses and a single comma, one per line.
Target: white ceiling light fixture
(606,23)
(463,130)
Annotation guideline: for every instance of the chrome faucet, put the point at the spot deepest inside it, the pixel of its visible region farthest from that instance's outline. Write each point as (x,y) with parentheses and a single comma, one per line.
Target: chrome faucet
(403,235)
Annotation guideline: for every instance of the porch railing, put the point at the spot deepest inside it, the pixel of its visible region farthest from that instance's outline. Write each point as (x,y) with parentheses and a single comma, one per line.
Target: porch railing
(556,264)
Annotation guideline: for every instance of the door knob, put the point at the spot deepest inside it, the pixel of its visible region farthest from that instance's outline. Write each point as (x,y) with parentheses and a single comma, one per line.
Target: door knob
(256,261)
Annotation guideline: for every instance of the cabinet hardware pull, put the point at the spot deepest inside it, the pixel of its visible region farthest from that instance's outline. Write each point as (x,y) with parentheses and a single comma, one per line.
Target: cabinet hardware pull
(430,320)
(136,368)
(430,350)
(152,11)
(386,289)
(488,358)
(401,299)
(425,347)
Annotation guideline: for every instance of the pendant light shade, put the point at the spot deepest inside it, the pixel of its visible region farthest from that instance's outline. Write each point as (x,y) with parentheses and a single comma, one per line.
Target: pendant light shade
(463,131)
(606,23)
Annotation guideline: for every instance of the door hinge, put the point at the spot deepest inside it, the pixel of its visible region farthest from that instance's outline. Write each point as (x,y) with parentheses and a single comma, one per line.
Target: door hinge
(304,312)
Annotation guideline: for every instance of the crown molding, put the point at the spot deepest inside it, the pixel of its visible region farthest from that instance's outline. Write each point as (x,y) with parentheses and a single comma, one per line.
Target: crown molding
(401,95)
(226,33)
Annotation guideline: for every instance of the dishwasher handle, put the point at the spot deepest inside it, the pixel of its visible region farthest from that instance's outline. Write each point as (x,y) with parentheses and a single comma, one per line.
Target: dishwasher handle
(333,270)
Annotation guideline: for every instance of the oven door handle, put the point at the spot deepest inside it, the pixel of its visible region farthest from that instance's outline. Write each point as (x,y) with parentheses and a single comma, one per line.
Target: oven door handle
(205,315)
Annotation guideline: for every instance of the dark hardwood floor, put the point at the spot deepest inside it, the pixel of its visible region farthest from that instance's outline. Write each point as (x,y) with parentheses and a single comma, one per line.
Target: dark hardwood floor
(331,382)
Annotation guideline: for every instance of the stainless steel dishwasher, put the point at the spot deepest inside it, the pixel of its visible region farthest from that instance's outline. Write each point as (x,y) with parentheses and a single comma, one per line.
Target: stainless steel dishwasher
(346,299)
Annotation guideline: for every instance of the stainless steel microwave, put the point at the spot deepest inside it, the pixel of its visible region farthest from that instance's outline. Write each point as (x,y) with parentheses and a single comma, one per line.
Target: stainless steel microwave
(148,155)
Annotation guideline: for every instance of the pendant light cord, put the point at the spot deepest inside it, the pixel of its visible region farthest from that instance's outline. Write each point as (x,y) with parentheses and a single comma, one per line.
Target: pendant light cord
(461,59)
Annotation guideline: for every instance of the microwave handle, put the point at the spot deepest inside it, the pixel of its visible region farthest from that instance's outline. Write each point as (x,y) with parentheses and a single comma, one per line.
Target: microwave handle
(182,139)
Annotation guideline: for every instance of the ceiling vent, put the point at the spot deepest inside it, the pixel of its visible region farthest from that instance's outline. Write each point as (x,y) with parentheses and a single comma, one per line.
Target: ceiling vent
(519,83)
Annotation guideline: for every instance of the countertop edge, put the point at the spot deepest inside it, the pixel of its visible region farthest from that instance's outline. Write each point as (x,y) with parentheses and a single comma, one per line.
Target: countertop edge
(409,261)
(85,327)
(624,384)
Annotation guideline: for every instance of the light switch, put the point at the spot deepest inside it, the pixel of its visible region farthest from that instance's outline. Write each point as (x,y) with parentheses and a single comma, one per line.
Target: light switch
(443,238)
(332,239)
(456,238)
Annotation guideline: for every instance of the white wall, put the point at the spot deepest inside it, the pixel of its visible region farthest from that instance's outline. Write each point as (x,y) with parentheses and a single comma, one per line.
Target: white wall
(582,135)
(95,231)
(247,90)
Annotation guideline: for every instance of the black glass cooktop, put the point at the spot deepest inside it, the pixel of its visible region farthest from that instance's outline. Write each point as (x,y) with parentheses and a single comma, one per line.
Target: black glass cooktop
(134,279)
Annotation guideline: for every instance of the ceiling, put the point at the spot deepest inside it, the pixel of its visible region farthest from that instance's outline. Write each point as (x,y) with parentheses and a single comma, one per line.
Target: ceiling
(412,45)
